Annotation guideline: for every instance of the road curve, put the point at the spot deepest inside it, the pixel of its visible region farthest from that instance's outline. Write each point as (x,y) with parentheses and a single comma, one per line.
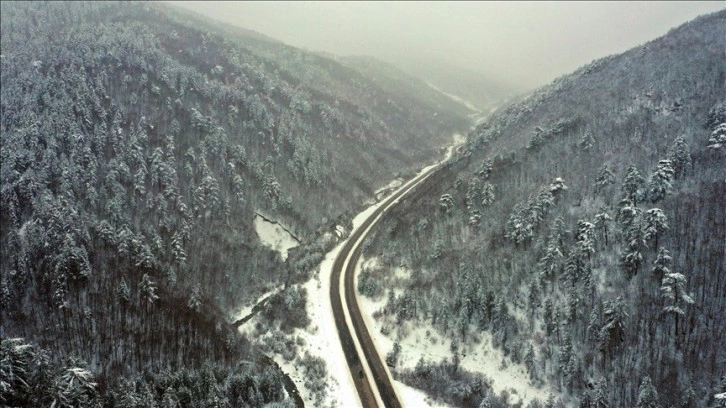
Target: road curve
(364,362)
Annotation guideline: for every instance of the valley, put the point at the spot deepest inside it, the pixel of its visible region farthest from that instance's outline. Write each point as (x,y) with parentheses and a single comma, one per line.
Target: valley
(195,214)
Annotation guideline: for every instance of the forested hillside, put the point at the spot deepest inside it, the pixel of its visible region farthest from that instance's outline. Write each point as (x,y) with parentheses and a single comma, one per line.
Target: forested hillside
(585,229)
(414,89)
(138,141)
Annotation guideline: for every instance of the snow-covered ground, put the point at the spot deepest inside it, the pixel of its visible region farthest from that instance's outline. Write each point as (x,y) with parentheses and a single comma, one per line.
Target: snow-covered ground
(455,98)
(414,398)
(247,309)
(384,191)
(424,341)
(274,236)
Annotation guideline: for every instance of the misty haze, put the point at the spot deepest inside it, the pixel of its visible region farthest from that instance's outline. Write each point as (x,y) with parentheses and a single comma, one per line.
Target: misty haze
(363,204)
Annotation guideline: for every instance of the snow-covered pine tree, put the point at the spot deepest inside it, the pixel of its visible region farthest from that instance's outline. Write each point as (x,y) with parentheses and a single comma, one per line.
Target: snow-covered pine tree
(632,184)
(472,193)
(195,299)
(656,224)
(602,221)
(680,156)
(487,194)
(647,395)
(604,178)
(659,185)
(529,361)
(599,397)
(587,141)
(533,297)
(675,297)
(585,238)
(662,264)
(612,333)
(446,203)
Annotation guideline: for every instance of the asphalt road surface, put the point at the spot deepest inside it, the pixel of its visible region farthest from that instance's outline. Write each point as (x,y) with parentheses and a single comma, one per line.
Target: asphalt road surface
(367,368)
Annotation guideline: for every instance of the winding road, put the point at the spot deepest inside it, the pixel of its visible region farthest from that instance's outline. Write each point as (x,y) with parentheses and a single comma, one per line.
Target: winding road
(367,368)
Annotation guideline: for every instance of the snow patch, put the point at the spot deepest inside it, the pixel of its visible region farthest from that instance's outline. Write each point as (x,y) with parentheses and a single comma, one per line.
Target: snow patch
(412,397)
(247,309)
(274,236)
(455,98)
(384,191)
(458,139)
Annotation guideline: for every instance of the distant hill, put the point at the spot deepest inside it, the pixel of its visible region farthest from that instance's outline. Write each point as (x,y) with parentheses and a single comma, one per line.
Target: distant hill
(400,83)
(138,141)
(583,228)
(483,92)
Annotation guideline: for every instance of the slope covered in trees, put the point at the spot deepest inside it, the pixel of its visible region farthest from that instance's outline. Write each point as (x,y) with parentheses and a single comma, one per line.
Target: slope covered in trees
(414,89)
(137,143)
(584,228)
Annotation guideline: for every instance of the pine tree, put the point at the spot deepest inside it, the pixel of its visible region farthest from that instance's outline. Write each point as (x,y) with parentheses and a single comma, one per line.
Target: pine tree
(571,372)
(487,194)
(392,356)
(195,300)
(662,264)
(599,399)
(16,359)
(587,141)
(593,326)
(75,387)
(718,136)
(529,361)
(179,256)
(612,333)
(647,395)
(573,305)
(536,141)
(472,193)
(487,402)
(565,352)
(123,294)
(633,243)
(656,224)
(446,203)
(485,169)
(659,184)
(548,316)
(520,226)
(147,290)
(604,178)
(533,299)
(557,187)
(680,156)
(632,184)
(602,221)
(675,297)
(575,266)
(5,296)
(585,400)
(632,257)
(585,237)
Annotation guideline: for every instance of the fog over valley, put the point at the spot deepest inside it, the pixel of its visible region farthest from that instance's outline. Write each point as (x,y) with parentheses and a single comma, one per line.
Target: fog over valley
(504,46)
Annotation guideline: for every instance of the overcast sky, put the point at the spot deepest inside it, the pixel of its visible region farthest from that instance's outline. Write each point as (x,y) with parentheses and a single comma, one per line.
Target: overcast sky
(529,43)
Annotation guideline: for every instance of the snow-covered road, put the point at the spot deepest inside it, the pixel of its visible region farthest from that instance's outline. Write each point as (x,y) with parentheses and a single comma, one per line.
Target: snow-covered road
(320,338)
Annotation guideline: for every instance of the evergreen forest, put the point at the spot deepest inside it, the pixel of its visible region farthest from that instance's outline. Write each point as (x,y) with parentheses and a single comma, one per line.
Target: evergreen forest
(584,228)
